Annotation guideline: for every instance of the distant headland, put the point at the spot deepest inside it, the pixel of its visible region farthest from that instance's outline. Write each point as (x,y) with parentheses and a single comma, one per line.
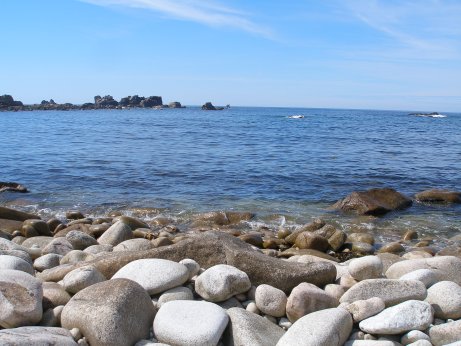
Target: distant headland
(7,103)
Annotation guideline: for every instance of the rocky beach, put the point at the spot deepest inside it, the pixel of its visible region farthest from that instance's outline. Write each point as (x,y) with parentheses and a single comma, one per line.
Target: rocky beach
(124,280)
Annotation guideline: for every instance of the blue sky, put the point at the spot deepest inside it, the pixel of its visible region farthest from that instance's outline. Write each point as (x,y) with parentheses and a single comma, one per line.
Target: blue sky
(375,54)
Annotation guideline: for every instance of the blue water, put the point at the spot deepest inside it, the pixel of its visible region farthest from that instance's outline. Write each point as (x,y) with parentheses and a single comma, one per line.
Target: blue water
(188,160)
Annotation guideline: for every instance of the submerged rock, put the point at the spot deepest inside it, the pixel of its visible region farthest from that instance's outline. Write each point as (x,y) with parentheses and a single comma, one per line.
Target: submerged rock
(373,202)
(12,187)
(439,196)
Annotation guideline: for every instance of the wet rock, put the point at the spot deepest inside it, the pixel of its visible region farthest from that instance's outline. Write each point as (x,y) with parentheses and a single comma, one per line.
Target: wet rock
(9,226)
(391,291)
(415,254)
(247,328)
(116,234)
(16,215)
(74,215)
(221,282)
(23,336)
(115,312)
(361,237)
(393,247)
(34,227)
(254,239)
(449,266)
(326,327)
(361,248)
(81,278)
(133,222)
(453,250)
(309,240)
(410,235)
(12,187)
(20,299)
(444,307)
(154,275)
(400,318)
(439,196)
(270,300)
(311,227)
(373,202)
(368,267)
(16,263)
(446,333)
(213,248)
(307,298)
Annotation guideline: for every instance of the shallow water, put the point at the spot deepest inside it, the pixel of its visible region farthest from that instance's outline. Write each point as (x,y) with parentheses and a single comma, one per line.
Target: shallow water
(253,159)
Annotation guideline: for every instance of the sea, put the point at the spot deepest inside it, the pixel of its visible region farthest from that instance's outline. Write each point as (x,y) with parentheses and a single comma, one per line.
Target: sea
(175,163)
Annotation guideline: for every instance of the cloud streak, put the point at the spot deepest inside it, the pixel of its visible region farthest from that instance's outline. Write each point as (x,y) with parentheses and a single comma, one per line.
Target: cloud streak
(205,12)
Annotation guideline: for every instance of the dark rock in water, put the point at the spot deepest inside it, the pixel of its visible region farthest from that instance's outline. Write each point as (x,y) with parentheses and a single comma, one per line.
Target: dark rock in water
(212,248)
(135,101)
(175,105)
(13,187)
(104,102)
(209,107)
(11,214)
(373,202)
(125,101)
(8,101)
(151,101)
(439,196)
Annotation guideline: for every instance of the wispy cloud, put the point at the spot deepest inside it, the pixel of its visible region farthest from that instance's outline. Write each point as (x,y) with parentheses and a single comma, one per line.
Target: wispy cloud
(426,26)
(201,11)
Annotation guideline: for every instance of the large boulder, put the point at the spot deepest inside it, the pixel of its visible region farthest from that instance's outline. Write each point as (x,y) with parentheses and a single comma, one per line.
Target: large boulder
(105,102)
(116,312)
(212,248)
(439,196)
(208,106)
(373,202)
(20,299)
(151,101)
(8,101)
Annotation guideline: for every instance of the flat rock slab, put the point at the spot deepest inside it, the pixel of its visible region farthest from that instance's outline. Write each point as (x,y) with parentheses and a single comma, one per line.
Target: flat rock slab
(38,336)
(111,313)
(193,323)
(392,292)
(401,318)
(329,327)
(212,248)
(154,275)
(247,328)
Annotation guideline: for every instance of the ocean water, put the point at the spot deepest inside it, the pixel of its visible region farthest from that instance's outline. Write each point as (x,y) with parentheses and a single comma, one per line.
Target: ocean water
(177,162)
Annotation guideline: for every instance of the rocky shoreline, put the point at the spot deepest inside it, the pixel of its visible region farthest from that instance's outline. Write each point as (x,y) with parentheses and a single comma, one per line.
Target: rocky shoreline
(8,104)
(122,280)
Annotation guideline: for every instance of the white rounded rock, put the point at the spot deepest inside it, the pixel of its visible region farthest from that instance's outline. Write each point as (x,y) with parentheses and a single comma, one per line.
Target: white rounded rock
(81,278)
(155,275)
(445,298)
(362,309)
(47,261)
(20,299)
(427,276)
(116,234)
(34,335)
(413,336)
(406,316)
(221,282)
(368,267)
(192,266)
(16,263)
(177,293)
(193,323)
(270,300)
(329,327)
(137,244)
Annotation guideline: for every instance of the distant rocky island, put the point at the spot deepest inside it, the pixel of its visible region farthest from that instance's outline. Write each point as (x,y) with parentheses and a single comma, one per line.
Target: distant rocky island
(7,103)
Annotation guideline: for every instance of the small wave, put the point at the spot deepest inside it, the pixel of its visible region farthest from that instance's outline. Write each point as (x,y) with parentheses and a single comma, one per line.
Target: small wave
(296,116)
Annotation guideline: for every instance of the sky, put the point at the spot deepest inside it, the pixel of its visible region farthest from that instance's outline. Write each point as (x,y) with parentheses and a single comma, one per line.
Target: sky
(367,54)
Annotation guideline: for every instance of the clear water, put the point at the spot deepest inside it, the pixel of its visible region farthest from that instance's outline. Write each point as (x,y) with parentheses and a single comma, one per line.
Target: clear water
(187,160)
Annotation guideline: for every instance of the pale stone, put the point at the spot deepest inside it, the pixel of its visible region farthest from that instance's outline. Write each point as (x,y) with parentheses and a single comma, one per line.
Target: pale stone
(52,317)
(246,328)
(20,299)
(177,293)
(413,336)
(362,309)
(251,307)
(307,298)
(371,343)
(427,276)
(221,282)
(76,256)
(391,291)
(155,275)
(329,327)
(80,240)
(192,267)
(445,298)
(190,322)
(16,263)
(116,312)
(98,249)
(81,278)
(116,234)
(54,295)
(47,261)
(36,336)
(406,316)
(137,244)
(334,290)
(368,267)
(60,246)
(271,300)
(446,333)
